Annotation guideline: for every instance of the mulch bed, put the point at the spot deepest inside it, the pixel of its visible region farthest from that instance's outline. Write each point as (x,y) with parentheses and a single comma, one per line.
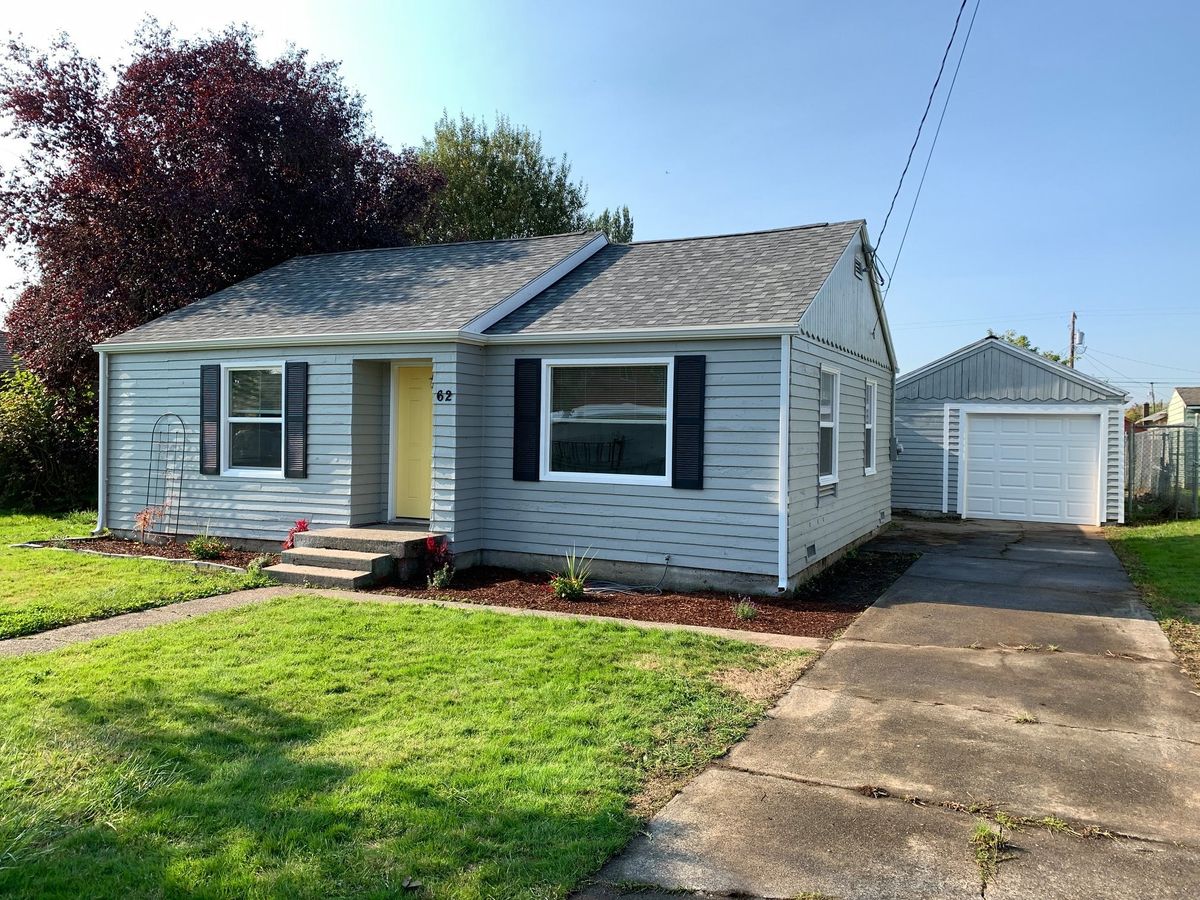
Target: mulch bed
(821,608)
(171,550)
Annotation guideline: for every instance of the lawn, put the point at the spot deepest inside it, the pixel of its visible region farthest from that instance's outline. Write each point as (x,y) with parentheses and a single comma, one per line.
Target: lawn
(1164,561)
(319,748)
(42,589)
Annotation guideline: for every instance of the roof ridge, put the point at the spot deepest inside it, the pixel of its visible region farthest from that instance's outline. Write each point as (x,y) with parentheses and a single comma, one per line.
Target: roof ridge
(534,237)
(708,237)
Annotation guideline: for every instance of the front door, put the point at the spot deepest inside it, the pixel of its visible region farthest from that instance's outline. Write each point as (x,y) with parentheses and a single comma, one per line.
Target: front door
(412,419)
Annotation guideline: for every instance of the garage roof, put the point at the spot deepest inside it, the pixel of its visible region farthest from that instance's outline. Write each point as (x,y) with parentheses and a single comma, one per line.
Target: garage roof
(993,369)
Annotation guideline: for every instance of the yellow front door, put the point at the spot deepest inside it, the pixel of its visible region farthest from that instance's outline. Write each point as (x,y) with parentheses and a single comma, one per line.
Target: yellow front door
(413,421)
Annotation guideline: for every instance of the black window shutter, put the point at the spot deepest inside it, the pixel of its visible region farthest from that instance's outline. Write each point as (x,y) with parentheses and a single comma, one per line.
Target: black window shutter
(527,418)
(295,423)
(210,420)
(687,459)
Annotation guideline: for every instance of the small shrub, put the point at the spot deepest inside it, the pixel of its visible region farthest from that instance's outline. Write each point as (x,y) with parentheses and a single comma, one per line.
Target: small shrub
(439,562)
(255,576)
(441,578)
(571,582)
(744,609)
(145,520)
(290,541)
(205,546)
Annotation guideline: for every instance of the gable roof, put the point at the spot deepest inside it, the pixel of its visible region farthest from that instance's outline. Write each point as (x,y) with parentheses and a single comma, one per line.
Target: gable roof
(424,288)
(6,360)
(1189,395)
(756,278)
(995,343)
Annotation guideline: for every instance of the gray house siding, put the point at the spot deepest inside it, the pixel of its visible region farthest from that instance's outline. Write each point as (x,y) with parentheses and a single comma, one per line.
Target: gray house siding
(859,503)
(342,488)
(929,413)
(841,328)
(731,525)
(370,421)
(995,375)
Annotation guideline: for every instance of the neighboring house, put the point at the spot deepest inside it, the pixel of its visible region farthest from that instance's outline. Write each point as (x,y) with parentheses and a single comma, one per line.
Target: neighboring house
(993,431)
(7,363)
(1150,421)
(1184,407)
(720,406)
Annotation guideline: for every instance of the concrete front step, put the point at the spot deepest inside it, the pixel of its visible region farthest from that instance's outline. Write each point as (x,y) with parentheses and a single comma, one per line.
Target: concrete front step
(378,564)
(396,542)
(319,576)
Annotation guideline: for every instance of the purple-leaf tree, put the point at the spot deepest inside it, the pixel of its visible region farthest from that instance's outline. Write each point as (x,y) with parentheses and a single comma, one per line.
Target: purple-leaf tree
(189,167)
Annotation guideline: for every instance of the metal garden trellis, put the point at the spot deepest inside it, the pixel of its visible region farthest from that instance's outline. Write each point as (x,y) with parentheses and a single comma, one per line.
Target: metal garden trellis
(164,473)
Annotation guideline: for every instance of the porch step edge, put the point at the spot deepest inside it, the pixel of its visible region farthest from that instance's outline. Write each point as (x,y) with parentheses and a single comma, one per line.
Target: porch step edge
(378,564)
(318,576)
(398,544)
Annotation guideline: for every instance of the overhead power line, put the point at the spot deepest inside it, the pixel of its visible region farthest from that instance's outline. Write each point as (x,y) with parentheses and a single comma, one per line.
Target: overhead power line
(933,143)
(921,125)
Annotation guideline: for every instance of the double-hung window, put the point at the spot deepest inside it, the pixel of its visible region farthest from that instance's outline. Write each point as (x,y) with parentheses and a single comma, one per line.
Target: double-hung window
(253,420)
(607,421)
(869,429)
(827,443)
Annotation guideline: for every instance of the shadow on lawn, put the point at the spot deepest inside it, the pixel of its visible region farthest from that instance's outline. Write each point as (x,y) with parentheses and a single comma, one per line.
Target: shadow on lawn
(239,810)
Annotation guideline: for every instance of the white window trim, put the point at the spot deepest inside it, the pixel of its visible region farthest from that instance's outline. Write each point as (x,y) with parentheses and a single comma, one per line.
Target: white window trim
(824,480)
(546,474)
(871,423)
(226,420)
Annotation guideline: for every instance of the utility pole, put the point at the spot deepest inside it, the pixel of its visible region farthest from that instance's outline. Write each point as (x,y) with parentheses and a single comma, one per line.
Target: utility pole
(1071,357)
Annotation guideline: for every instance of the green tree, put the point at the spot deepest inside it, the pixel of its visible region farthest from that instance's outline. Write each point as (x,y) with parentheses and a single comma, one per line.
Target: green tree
(618,225)
(501,184)
(1023,341)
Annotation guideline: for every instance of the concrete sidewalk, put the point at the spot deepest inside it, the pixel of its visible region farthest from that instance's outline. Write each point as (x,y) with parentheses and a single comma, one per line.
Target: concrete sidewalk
(1012,671)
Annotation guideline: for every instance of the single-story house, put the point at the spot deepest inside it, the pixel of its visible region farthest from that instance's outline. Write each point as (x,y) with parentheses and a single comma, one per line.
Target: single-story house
(993,431)
(706,411)
(1184,406)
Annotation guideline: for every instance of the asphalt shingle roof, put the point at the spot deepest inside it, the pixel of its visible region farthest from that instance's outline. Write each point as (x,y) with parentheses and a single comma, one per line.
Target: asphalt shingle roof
(422,288)
(767,277)
(6,361)
(1189,395)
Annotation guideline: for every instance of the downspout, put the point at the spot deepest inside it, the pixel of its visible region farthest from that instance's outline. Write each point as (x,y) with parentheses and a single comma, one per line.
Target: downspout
(785,428)
(102,448)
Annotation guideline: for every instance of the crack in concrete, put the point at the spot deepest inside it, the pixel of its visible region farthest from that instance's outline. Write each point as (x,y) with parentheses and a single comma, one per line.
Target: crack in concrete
(1108,654)
(987,809)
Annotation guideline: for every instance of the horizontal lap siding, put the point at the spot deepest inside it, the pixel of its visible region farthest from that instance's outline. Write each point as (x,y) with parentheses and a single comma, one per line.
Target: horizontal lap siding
(855,509)
(730,525)
(370,423)
(917,474)
(468,403)
(143,386)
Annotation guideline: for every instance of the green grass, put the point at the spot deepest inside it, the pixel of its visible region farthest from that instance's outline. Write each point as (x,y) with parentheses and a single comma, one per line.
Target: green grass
(41,589)
(1164,561)
(317,748)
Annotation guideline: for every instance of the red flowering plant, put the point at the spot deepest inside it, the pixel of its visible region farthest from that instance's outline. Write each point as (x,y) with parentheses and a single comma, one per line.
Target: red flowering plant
(301,525)
(439,561)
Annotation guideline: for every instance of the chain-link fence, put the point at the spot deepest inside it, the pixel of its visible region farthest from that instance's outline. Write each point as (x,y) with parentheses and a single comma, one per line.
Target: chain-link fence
(1162,473)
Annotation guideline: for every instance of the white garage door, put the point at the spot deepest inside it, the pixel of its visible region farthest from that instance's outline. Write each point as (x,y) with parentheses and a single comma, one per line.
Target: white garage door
(1038,468)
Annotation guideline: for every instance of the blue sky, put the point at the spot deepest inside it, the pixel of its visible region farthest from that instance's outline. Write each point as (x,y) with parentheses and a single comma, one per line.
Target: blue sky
(1065,176)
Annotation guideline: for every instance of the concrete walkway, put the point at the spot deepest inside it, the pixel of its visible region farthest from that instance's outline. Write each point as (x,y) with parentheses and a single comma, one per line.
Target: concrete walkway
(1012,669)
(57,638)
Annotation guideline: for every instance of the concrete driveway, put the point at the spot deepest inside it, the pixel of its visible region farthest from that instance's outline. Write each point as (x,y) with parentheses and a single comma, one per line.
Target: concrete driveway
(1011,673)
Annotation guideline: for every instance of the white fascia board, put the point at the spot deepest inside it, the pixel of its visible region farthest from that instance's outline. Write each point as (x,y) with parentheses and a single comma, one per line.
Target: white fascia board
(523,295)
(669,333)
(682,332)
(295,340)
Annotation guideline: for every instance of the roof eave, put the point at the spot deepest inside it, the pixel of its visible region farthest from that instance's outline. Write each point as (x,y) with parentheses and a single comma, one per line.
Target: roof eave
(460,336)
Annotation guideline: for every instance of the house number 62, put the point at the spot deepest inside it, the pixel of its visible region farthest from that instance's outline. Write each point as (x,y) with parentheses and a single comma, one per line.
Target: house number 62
(445,396)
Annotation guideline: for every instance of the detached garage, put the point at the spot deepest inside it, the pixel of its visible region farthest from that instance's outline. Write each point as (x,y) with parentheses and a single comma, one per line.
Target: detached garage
(996,432)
